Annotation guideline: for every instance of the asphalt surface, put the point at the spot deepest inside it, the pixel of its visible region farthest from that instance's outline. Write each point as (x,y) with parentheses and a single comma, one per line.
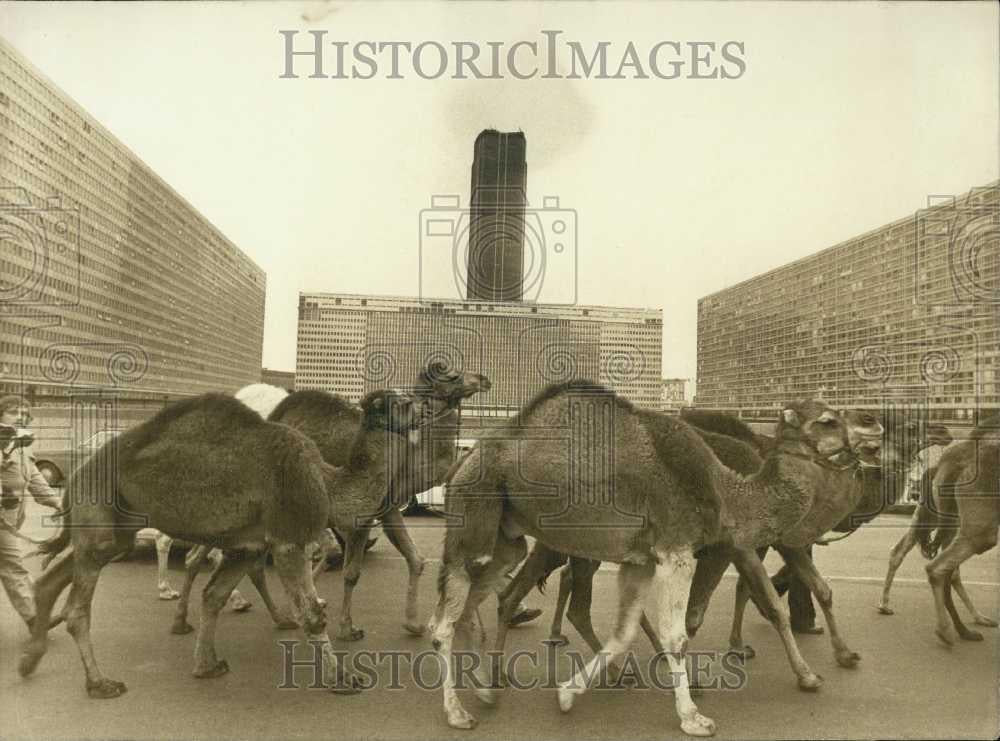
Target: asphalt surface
(907,685)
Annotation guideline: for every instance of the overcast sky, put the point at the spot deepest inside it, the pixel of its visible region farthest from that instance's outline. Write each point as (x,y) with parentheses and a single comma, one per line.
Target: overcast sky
(846,116)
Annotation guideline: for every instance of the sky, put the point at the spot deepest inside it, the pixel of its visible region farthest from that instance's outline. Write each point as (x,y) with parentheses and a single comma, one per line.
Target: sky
(846,116)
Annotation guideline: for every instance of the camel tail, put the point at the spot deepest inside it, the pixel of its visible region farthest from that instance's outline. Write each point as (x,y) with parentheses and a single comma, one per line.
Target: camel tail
(926,527)
(58,542)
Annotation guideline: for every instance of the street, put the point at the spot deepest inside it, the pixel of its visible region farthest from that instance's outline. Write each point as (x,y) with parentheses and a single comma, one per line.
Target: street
(907,685)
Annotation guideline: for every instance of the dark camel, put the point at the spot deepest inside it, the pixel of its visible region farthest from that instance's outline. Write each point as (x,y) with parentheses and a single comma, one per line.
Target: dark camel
(967,498)
(802,490)
(332,423)
(211,471)
(660,465)
(642,491)
(739,451)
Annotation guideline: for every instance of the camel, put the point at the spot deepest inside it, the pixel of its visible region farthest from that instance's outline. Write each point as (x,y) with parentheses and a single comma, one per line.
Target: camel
(967,495)
(739,450)
(900,445)
(211,471)
(666,483)
(262,398)
(379,492)
(925,517)
(332,423)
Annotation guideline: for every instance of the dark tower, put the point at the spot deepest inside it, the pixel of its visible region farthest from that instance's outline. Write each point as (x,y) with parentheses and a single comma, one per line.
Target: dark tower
(496,229)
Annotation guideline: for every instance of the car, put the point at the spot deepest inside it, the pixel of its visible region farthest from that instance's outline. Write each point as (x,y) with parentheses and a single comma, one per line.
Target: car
(55,463)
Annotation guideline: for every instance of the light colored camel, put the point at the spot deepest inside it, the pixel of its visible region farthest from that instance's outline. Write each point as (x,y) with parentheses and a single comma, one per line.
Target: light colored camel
(211,471)
(967,497)
(925,517)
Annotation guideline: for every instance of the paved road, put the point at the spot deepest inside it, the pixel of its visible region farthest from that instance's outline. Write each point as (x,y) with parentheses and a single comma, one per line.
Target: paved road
(907,685)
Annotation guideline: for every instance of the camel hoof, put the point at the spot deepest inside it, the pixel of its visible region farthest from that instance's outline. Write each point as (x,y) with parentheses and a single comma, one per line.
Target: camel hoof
(743,652)
(971,635)
(286,623)
(810,683)
(347,633)
(486,695)
(29,661)
(180,629)
(565,699)
(699,725)
(885,610)
(848,659)
(558,639)
(946,636)
(221,667)
(985,621)
(169,594)
(105,689)
(461,718)
(414,629)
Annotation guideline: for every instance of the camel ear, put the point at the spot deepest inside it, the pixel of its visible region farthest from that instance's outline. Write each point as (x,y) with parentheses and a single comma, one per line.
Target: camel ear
(790,417)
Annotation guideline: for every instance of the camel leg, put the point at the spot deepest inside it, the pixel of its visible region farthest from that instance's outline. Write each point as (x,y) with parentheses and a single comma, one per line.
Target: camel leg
(88,560)
(736,643)
(674,575)
(395,530)
(896,556)
(282,620)
(633,583)
(707,575)
(220,585)
(963,632)
(460,597)
(798,559)
(565,585)
(939,574)
(749,564)
(541,562)
(192,565)
(977,617)
(166,592)
(353,556)
(48,586)
(294,570)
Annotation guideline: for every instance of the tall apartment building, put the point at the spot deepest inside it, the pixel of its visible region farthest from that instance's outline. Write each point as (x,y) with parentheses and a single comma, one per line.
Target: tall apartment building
(109,280)
(351,345)
(907,314)
(495,270)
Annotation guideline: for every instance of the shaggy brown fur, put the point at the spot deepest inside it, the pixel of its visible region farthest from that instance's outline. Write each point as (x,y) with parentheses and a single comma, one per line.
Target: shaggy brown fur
(208,470)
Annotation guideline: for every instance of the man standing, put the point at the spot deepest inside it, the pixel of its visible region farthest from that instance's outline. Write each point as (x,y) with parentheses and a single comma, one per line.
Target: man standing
(18,474)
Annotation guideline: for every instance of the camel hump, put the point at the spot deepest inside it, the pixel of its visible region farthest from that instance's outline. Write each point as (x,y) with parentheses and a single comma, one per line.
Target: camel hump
(313,404)
(719,423)
(696,468)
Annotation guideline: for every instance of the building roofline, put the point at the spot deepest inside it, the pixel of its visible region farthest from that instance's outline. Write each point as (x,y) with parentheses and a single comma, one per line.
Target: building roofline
(843,243)
(482,302)
(93,122)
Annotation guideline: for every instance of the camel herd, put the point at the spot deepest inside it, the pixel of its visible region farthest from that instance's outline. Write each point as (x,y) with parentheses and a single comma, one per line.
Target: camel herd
(673,501)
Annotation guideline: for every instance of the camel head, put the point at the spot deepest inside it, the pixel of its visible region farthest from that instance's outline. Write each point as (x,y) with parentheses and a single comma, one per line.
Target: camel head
(818,430)
(392,410)
(865,434)
(443,383)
